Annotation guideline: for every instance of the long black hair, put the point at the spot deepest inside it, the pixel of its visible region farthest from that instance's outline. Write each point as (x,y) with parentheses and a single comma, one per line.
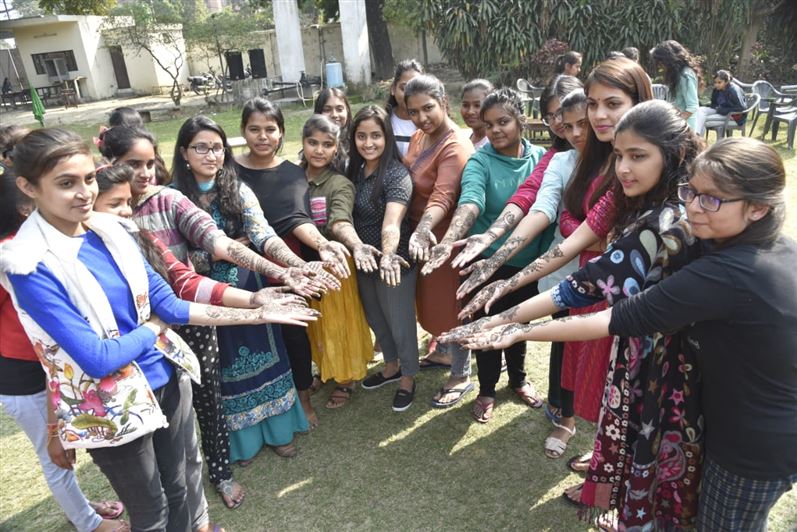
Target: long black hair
(227,184)
(390,155)
(118,140)
(401,68)
(673,57)
(559,87)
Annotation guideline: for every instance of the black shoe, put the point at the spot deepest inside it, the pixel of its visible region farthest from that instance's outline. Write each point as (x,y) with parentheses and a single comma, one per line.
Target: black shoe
(403,399)
(378,380)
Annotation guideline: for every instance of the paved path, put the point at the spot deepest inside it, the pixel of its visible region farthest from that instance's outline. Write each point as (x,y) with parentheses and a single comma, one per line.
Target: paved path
(97,112)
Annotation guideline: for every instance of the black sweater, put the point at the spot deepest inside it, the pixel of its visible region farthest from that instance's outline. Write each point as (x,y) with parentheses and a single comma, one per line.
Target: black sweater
(739,308)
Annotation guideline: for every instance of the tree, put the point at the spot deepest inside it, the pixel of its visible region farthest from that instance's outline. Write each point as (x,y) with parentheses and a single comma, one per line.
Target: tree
(141,30)
(77,7)
(760,10)
(379,39)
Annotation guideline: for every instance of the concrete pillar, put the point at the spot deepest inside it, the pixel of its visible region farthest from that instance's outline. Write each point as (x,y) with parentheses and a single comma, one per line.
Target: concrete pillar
(354,34)
(289,39)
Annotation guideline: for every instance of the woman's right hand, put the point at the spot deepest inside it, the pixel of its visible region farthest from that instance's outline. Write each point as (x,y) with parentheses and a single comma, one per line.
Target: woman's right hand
(479,272)
(365,258)
(303,282)
(485,298)
(317,270)
(390,268)
(286,313)
(474,246)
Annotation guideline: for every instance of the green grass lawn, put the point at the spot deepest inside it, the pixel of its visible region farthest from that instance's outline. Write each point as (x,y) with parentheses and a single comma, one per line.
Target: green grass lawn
(368,468)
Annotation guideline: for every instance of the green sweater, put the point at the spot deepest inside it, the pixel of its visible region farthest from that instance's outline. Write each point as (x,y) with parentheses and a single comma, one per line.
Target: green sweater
(488,181)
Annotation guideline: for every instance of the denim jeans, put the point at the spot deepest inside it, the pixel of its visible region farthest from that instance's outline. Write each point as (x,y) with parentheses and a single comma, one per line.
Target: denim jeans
(148,474)
(30,413)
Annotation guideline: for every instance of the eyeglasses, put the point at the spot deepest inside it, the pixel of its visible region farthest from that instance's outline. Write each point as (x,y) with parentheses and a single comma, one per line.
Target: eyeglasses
(204,149)
(707,202)
(550,118)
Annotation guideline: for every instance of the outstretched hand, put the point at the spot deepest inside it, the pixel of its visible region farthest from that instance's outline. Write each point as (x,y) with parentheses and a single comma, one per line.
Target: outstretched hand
(474,246)
(437,257)
(335,256)
(500,337)
(365,258)
(480,272)
(421,243)
(390,268)
(485,298)
(276,293)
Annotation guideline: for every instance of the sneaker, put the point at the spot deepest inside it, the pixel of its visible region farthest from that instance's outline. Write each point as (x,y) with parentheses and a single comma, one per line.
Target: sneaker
(378,380)
(403,399)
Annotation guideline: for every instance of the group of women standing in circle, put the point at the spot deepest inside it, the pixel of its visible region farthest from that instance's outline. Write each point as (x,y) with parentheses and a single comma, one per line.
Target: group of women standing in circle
(395,217)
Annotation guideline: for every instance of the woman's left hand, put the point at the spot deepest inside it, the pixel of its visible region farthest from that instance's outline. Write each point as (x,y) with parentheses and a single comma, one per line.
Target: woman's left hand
(335,254)
(421,242)
(501,337)
(279,294)
(438,256)
(317,271)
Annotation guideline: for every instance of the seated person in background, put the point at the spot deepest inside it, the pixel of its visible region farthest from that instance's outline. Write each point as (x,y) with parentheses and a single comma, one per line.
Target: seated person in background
(725,98)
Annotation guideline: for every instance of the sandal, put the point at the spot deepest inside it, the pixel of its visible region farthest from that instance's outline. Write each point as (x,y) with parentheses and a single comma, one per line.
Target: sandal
(483,409)
(339,397)
(555,447)
(583,461)
(574,501)
(458,392)
(110,510)
(285,451)
(226,489)
(528,395)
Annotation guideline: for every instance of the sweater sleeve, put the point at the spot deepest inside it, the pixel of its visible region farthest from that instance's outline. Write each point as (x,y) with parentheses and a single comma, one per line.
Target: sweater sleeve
(701,291)
(600,217)
(550,193)
(194,224)
(163,301)
(186,283)
(527,193)
(42,296)
(474,183)
(451,163)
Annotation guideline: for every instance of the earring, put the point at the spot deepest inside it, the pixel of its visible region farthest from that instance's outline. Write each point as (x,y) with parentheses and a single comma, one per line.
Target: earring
(187,166)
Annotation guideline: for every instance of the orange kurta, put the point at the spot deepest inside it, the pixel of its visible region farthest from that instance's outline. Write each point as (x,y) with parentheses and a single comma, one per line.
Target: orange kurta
(436,175)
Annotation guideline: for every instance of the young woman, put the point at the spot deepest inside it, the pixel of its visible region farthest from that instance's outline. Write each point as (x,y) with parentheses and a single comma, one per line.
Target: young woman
(521,201)
(569,64)
(23,386)
(647,453)
(473,94)
(612,88)
(396,107)
(341,340)
(176,220)
(282,189)
(436,158)
(490,177)
(118,376)
(677,67)
(259,398)
(334,104)
(733,301)
(725,98)
(383,190)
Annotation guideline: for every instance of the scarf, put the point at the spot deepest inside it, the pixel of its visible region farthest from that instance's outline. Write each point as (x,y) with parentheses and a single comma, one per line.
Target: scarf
(119,407)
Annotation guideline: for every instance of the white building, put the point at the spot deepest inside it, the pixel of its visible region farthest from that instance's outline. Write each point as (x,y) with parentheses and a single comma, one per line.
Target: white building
(59,48)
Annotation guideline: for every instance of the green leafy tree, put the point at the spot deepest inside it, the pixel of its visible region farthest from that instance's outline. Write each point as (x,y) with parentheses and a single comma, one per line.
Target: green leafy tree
(150,28)
(77,7)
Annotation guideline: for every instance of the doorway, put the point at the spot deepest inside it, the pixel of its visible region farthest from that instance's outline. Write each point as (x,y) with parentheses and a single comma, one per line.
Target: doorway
(119,67)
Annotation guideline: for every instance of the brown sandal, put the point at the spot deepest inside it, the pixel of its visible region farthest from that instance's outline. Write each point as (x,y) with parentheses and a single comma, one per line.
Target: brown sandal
(339,397)
(528,395)
(483,409)
(285,451)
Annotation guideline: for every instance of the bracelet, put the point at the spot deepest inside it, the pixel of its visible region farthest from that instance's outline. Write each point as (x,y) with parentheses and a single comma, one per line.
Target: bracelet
(52,431)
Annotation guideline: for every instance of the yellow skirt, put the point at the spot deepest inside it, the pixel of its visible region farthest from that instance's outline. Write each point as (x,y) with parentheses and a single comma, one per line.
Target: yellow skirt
(341,340)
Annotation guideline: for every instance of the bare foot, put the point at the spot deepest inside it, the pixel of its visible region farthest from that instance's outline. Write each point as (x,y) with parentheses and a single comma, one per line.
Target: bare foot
(312,418)
(113,525)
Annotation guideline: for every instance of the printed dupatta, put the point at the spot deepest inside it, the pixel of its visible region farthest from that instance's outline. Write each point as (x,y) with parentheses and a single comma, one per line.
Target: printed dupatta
(119,407)
(647,455)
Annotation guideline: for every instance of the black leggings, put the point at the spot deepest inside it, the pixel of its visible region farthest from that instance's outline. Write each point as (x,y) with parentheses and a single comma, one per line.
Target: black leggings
(488,362)
(558,397)
(299,355)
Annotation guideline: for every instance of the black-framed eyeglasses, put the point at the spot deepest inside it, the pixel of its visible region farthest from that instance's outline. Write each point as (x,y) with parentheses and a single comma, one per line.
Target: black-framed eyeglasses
(707,202)
(549,118)
(204,149)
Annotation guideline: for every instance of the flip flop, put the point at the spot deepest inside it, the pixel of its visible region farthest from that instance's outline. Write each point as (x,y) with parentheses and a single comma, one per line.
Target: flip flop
(573,502)
(482,410)
(455,390)
(578,459)
(110,510)
(425,363)
(528,395)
